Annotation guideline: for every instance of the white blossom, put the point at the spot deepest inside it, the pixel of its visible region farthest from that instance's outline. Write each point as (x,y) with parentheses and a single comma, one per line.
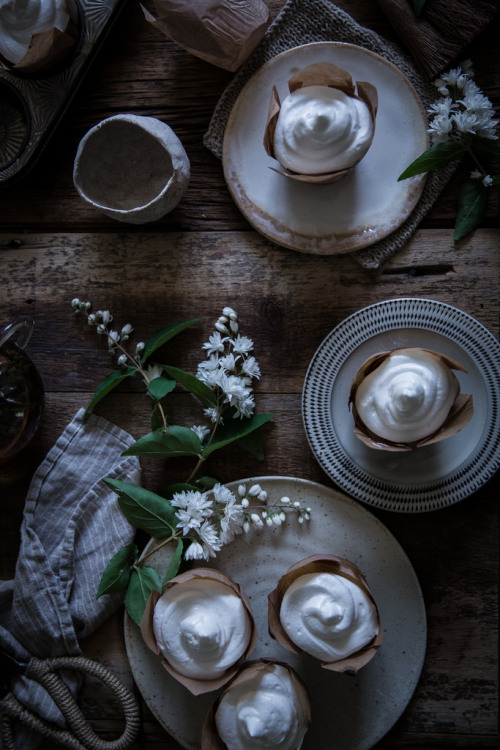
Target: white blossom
(201,430)
(242,344)
(215,343)
(153,372)
(223,494)
(194,552)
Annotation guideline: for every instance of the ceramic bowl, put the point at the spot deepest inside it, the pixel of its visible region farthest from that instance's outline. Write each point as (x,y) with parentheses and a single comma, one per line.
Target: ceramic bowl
(131,168)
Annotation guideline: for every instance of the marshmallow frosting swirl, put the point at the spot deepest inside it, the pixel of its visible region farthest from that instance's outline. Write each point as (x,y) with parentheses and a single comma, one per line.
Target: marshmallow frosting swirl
(328,616)
(407,397)
(321,129)
(21,19)
(262,713)
(201,627)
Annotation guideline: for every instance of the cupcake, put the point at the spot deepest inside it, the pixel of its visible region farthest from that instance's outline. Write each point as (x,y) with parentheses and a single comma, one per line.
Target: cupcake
(265,705)
(325,125)
(323,607)
(36,35)
(202,626)
(407,398)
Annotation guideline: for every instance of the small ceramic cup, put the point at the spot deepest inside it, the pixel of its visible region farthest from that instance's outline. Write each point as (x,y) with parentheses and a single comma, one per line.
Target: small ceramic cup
(131,168)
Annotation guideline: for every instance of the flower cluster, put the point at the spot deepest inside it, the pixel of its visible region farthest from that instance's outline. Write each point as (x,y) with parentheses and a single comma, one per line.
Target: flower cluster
(230,367)
(102,320)
(462,124)
(212,519)
(462,110)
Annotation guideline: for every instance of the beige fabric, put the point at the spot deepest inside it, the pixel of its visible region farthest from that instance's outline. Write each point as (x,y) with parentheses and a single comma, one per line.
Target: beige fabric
(306,21)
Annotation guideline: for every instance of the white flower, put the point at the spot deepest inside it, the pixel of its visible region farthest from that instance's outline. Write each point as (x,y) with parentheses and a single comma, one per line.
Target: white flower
(223,494)
(250,367)
(113,338)
(228,363)
(122,360)
(105,316)
(211,542)
(215,343)
(153,372)
(254,490)
(230,313)
(244,407)
(212,414)
(194,552)
(487,180)
(465,122)
(201,430)
(441,127)
(242,344)
(193,508)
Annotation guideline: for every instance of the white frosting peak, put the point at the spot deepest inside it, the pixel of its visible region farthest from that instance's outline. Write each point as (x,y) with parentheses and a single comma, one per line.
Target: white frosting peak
(201,627)
(407,397)
(262,713)
(321,129)
(328,616)
(21,19)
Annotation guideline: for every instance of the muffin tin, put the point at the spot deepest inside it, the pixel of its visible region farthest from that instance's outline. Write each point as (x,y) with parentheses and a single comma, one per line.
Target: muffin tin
(32,105)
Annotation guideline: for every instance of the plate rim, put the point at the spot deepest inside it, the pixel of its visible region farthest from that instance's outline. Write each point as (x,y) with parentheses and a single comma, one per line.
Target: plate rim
(324,493)
(417,182)
(381,493)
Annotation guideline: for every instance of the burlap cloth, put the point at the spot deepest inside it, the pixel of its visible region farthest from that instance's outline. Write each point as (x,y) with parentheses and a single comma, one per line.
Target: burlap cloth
(305,21)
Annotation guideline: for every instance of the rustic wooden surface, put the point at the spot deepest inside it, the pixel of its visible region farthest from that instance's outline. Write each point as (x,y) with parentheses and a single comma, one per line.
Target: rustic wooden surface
(193,262)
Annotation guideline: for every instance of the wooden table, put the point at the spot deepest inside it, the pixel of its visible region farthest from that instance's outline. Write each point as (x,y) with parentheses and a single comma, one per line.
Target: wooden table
(205,255)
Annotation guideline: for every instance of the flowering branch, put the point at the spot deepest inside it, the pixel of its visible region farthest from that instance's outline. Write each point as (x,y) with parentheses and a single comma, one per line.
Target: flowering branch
(200,515)
(462,124)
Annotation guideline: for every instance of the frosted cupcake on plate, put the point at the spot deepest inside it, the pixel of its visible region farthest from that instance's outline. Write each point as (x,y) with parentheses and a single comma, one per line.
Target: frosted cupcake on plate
(408,397)
(202,626)
(265,706)
(322,606)
(323,127)
(37,35)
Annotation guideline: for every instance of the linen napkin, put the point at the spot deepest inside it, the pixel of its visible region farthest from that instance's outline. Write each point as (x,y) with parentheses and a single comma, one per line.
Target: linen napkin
(305,21)
(443,30)
(72,525)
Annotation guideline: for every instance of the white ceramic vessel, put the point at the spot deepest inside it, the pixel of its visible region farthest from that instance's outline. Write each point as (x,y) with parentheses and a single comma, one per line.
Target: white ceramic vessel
(131,168)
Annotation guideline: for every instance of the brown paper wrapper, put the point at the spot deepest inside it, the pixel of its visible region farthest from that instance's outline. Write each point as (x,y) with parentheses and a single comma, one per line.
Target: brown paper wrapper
(459,415)
(210,739)
(196,687)
(49,48)
(318,74)
(323,564)
(223,33)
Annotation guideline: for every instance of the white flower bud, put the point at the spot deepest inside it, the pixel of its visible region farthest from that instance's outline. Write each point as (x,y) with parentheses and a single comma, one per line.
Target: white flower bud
(140,347)
(122,360)
(245,503)
(229,313)
(242,490)
(254,490)
(269,521)
(221,327)
(233,325)
(277,520)
(75,303)
(256,519)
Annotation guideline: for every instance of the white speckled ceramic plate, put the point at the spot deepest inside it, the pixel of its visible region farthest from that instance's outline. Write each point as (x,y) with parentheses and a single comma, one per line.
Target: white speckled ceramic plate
(433,476)
(366,205)
(349,713)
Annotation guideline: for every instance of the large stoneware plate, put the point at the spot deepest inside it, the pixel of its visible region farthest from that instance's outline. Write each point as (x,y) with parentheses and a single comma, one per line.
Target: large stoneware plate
(431,477)
(349,713)
(366,205)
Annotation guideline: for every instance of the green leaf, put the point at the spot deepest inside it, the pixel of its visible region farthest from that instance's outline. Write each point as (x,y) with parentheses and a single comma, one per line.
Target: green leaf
(144,509)
(110,381)
(472,205)
(486,149)
(435,156)
(252,443)
(163,335)
(193,385)
(175,562)
(205,483)
(142,582)
(118,571)
(418,5)
(158,388)
(179,441)
(235,429)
